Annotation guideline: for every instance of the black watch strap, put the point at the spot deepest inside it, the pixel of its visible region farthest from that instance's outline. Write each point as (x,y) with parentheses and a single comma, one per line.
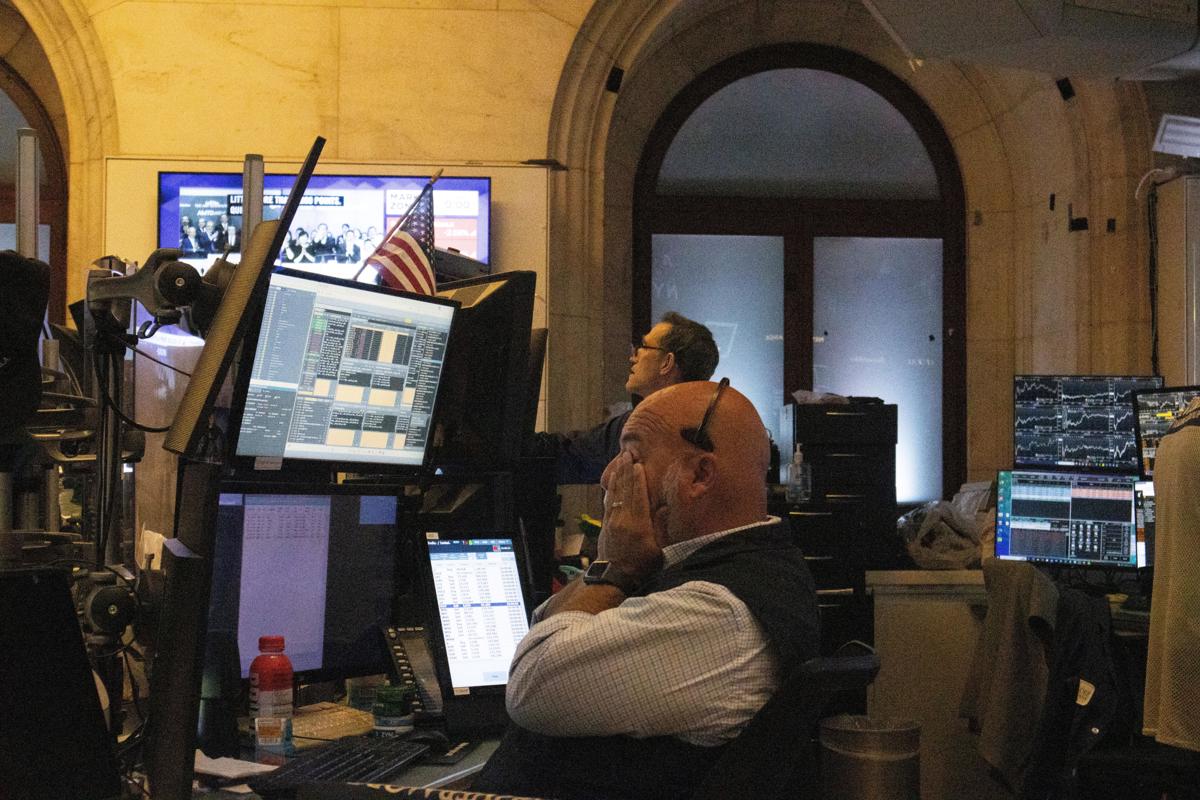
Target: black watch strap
(609,573)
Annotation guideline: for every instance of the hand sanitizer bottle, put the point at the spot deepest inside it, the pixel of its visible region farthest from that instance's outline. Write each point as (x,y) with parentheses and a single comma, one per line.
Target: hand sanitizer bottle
(799,479)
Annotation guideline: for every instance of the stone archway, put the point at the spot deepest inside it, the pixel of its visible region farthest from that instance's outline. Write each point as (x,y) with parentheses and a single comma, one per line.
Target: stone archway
(75,57)
(1016,138)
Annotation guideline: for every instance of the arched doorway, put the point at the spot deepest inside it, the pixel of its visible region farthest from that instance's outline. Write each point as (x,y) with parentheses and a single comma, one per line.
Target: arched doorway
(21,106)
(838,228)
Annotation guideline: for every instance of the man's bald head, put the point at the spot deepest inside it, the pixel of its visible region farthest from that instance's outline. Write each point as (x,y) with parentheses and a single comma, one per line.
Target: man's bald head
(700,491)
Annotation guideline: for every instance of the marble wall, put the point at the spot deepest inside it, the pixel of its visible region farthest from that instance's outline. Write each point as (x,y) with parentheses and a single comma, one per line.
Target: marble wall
(1040,296)
(508,80)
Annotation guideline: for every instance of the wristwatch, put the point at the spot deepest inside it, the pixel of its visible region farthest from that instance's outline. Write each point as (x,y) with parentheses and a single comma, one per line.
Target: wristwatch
(610,573)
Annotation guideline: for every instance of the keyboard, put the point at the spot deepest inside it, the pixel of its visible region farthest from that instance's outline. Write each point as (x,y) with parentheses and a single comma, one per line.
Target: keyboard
(322,723)
(354,760)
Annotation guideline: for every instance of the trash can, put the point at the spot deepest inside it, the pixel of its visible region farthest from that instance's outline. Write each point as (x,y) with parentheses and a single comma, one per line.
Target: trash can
(870,758)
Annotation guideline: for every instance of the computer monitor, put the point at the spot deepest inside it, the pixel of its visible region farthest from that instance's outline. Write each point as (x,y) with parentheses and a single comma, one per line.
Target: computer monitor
(344,373)
(1156,410)
(1144,498)
(176,678)
(1086,520)
(1080,422)
(54,744)
(243,296)
(314,564)
(481,421)
(343,217)
(476,588)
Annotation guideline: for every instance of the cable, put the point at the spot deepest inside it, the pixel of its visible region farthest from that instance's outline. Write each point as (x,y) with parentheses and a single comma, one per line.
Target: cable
(108,463)
(133,684)
(1168,172)
(70,373)
(1152,278)
(144,354)
(136,785)
(108,401)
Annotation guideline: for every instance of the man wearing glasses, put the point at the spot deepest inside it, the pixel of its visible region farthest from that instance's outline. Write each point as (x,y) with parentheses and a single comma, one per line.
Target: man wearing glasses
(675,350)
(635,675)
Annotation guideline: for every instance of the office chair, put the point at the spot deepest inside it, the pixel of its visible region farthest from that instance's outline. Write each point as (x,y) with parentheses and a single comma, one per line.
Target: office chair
(775,756)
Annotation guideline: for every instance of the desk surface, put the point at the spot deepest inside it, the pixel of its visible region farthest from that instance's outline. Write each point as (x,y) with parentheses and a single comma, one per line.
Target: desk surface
(438,776)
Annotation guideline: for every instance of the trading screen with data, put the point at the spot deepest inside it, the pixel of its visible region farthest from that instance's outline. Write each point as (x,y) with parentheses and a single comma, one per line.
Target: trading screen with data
(343,373)
(481,607)
(1155,413)
(1067,518)
(1077,421)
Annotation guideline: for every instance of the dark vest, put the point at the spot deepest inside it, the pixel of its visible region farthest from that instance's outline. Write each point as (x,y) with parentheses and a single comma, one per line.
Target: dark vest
(764,569)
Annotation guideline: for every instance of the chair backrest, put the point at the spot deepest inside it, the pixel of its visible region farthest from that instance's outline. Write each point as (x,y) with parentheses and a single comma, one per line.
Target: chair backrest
(774,756)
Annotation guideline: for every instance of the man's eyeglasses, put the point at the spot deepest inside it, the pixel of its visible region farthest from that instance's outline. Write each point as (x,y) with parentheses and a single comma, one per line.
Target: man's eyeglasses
(638,344)
(699,436)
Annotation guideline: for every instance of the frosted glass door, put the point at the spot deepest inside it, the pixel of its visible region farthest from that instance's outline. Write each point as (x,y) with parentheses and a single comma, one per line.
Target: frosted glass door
(877,331)
(734,285)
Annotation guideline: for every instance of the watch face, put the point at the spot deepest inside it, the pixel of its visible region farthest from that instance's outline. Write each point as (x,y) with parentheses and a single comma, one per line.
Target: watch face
(595,571)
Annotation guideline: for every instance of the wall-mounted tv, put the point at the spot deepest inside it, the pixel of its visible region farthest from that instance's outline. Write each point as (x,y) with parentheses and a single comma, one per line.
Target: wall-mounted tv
(341,219)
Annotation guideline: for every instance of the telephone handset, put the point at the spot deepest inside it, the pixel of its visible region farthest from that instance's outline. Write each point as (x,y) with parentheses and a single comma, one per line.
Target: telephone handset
(413,666)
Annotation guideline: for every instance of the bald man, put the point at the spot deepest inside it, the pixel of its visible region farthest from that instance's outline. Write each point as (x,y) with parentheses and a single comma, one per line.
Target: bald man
(634,677)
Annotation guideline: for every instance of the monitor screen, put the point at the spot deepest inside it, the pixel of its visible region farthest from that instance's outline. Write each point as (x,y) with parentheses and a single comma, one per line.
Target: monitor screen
(316,567)
(1077,421)
(1155,413)
(482,614)
(1066,518)
(343,372)
(340,221)
(1144,497)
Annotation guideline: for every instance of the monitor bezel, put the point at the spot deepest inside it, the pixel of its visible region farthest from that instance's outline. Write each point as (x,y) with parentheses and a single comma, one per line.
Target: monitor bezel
(1140,496)
(436,639)
(244,486)
(161,195)
(1090,469)
(248,465)
(507,403)
(1137,421)
(1066,563)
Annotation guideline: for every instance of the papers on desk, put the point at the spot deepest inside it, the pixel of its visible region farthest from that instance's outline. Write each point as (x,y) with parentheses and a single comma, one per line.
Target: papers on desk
(230,769)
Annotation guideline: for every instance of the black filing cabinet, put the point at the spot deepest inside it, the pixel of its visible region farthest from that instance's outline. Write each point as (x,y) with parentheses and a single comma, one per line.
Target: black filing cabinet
(849,525)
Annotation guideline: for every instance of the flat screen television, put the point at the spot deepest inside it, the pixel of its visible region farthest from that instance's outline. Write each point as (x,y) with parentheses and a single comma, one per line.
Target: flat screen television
(1083,422)
(344,375)
(340,220)
(1069,518)
(1156,410)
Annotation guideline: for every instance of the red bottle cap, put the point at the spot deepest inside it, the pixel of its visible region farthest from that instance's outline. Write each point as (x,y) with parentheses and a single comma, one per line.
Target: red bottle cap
(270,644)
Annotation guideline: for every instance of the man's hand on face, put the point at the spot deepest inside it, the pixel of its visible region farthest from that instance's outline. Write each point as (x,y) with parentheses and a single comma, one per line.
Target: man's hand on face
(627,536)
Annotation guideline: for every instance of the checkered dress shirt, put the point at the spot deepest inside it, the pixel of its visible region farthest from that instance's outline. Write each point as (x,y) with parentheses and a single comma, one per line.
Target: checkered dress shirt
(691,661)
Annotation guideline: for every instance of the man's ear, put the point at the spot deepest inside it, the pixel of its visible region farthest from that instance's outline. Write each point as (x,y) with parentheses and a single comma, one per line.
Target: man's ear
(703,474)
(669,365)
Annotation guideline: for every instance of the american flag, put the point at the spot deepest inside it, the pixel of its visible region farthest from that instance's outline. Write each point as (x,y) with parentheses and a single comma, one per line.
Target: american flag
(403,259)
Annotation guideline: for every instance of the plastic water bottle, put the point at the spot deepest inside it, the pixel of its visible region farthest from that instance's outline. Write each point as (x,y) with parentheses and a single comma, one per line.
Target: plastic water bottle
(271,696)
(799,479)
